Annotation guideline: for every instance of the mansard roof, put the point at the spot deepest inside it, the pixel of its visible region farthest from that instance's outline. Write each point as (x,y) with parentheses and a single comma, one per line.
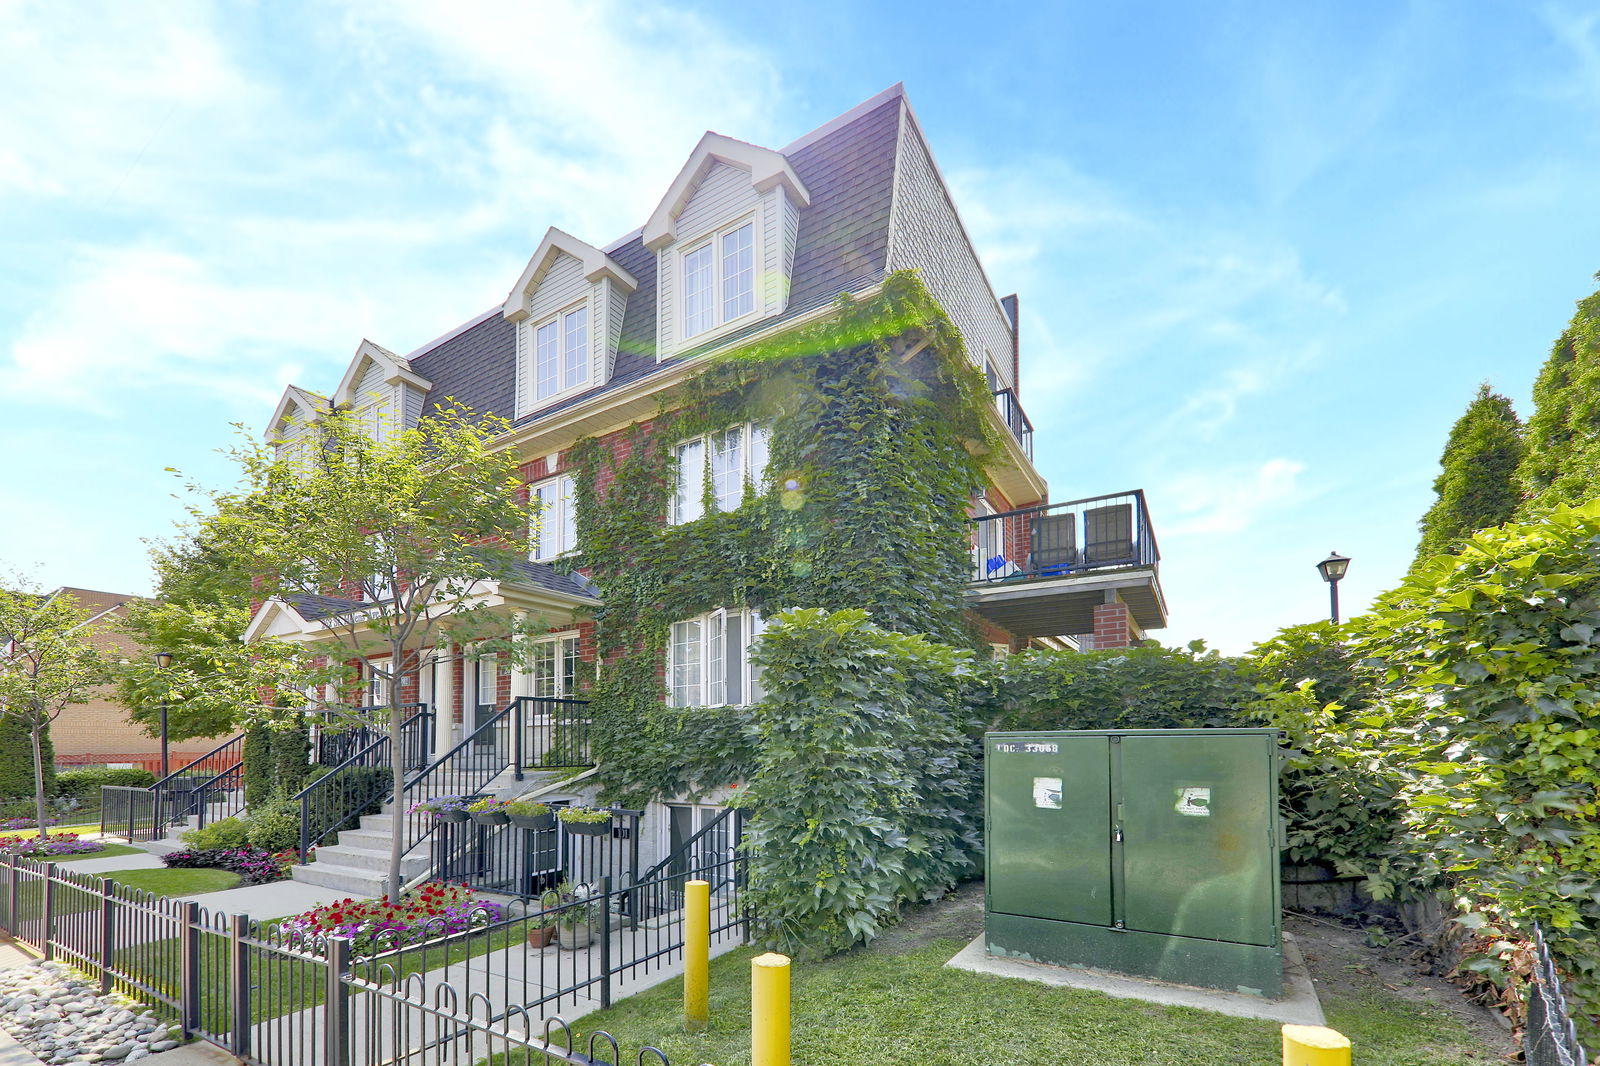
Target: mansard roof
(395,369)
(846,167)
(596,264)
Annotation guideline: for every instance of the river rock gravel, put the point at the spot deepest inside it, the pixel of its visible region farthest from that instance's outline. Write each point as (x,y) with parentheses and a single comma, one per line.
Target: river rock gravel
(61,1017)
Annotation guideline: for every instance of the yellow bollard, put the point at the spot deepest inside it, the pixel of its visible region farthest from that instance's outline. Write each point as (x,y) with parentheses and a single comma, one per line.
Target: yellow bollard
(769,1010)
(1314,1045)
(696,956)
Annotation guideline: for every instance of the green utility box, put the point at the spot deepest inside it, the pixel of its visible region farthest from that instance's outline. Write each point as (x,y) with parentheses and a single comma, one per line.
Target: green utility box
(1143,851)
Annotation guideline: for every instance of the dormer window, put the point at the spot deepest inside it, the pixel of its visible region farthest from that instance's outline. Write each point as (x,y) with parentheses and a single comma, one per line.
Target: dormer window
(719,279)
(561,352)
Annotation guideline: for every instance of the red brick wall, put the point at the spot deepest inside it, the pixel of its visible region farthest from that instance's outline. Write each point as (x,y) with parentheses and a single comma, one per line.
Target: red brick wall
(1113,628)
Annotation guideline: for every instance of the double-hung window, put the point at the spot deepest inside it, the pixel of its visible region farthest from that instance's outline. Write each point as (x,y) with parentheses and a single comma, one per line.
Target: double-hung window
(708,660)
(561,352)
(555,528)
(719,279)
(729,460)
(553,670)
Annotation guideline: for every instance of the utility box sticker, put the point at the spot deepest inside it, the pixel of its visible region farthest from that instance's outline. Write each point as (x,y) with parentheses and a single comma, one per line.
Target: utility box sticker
(1047,793)
(1194,802)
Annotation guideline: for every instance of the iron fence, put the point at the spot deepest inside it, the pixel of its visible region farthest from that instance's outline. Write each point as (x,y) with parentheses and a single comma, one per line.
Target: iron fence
(276,997)
(520,861)
(129,812)
(1551,1037)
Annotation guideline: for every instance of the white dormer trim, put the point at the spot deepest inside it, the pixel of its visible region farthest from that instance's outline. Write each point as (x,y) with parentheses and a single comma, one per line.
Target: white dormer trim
(597,266)
(768,170)
(396,371)
(295,398)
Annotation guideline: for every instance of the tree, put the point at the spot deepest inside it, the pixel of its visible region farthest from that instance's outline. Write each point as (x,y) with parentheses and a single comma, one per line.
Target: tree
(1477,486)
(405,529)
(198,615)
(1562,463)
(46,664)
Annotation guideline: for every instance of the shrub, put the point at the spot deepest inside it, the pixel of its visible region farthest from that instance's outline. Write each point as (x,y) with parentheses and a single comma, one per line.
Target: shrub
(16,759)
(84,785)
(865,793)
(275,828)
(254,866)
(258,780)
(223,833)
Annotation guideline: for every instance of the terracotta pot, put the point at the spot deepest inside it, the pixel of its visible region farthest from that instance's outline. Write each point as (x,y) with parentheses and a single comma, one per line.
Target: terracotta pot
(541,938)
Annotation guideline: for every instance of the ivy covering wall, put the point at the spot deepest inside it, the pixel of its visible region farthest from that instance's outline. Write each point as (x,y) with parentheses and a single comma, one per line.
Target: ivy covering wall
(877,442)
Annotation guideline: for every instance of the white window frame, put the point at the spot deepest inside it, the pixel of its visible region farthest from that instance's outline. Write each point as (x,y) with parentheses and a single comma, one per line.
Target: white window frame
(488,667)
(565,646)
(554,531)
(700,456)
(718,312)
(571,361)
(377,687)
(707,666)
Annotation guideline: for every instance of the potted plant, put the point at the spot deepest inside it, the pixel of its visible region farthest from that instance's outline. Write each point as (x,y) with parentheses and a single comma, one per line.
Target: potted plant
(444,808)
(541,929)
(530,814)
(588,821)
(573,909)
(489,811)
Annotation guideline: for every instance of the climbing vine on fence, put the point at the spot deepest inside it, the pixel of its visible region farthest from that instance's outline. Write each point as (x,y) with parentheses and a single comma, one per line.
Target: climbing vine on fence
(877,441)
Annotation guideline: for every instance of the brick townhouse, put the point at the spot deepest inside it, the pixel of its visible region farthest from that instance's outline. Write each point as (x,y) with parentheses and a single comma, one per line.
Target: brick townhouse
(747,241)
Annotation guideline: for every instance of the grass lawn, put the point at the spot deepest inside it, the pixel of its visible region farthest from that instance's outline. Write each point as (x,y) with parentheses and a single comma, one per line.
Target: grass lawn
(174,882)
(104,853)
(86,827)
(896,1004)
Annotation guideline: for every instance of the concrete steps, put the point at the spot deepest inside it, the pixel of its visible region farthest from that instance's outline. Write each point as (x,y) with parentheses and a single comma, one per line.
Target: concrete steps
(359,862)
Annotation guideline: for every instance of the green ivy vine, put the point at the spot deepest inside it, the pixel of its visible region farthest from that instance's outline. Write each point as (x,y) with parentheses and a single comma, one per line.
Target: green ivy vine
(878,443)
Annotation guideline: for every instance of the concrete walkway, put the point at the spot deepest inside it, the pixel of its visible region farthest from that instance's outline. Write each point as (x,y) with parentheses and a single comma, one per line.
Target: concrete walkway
(100,867)
(275,900)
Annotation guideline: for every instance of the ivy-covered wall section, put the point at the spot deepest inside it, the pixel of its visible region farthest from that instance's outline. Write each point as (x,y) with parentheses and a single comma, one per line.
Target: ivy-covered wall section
(877,441)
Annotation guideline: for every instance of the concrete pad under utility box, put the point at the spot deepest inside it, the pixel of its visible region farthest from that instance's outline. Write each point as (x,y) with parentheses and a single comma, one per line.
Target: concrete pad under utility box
(1297,1006)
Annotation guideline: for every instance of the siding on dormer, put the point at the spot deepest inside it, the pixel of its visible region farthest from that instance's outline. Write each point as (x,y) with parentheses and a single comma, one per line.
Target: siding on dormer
(926,235)
(373,401)
(562,285)
(724,195)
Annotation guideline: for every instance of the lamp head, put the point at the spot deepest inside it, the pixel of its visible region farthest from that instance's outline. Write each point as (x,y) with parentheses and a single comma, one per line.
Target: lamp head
(1333,567)
(163,659)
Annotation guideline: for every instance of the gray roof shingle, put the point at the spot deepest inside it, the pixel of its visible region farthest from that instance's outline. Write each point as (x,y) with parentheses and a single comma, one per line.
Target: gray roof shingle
(842,246)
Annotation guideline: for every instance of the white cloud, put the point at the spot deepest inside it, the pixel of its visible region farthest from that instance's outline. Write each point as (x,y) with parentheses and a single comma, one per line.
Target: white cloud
(1229,500)
(134,319)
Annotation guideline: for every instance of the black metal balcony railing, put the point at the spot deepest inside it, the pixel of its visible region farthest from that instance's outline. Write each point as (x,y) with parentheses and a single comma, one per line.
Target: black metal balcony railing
(1015,418)
(1058,539)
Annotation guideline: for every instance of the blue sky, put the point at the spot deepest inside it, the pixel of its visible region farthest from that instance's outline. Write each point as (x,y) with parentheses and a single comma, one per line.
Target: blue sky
(1265,251)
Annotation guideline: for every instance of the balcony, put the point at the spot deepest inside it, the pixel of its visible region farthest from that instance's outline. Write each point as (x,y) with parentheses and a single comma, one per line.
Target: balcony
(1015,418)
(1041,571)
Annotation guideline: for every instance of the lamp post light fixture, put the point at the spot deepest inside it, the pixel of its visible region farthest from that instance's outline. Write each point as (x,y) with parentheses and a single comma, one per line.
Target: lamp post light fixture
(163,660)
(1332,570)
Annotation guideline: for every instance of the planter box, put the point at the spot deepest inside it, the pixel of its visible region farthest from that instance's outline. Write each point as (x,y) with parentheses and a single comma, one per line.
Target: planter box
(491,818)
(589,829)
(534,821)
(451,816)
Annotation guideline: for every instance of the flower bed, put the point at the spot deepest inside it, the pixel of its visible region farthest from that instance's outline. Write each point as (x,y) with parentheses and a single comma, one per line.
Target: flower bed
(44,847)
(11,825)
(255,866)
(435,909)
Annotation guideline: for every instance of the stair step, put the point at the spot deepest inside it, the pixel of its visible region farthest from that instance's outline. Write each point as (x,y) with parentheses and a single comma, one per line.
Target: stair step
(340,855)
(355,880)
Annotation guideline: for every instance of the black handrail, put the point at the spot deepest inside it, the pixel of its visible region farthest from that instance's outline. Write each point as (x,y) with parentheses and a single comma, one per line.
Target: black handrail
(1015,418)
(329,810)
(184,769)
(684,850)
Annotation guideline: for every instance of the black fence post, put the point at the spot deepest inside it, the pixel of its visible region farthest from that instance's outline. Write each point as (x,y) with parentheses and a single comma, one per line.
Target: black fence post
(108,939)
(189,969)
(49,938)
(130,820)
(336,1005)
(519,723)
(305,827)
(605,942)
(239,978)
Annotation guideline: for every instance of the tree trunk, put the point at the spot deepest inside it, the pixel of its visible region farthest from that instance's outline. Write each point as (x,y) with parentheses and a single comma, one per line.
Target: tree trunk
(397,771)
(35,728)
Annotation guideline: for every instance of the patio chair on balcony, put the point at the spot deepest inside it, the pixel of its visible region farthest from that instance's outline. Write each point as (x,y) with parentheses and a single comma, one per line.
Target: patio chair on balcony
(1109,536)
(1055,544)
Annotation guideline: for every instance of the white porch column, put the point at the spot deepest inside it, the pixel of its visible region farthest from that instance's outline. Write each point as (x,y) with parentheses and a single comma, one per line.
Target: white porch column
(444,701)
(521,676)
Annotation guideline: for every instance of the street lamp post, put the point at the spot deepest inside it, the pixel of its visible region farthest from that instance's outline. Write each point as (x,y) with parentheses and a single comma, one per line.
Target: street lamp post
(1332,570)
(163,660)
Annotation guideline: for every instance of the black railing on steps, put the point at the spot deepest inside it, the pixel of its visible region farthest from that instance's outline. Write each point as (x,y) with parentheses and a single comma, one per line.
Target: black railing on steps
(174,797)
(358,785)
(514,860)
(710,849)
(334,744)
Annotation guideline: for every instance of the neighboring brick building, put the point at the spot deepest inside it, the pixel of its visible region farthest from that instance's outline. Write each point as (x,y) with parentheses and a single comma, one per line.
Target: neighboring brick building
(99,732)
